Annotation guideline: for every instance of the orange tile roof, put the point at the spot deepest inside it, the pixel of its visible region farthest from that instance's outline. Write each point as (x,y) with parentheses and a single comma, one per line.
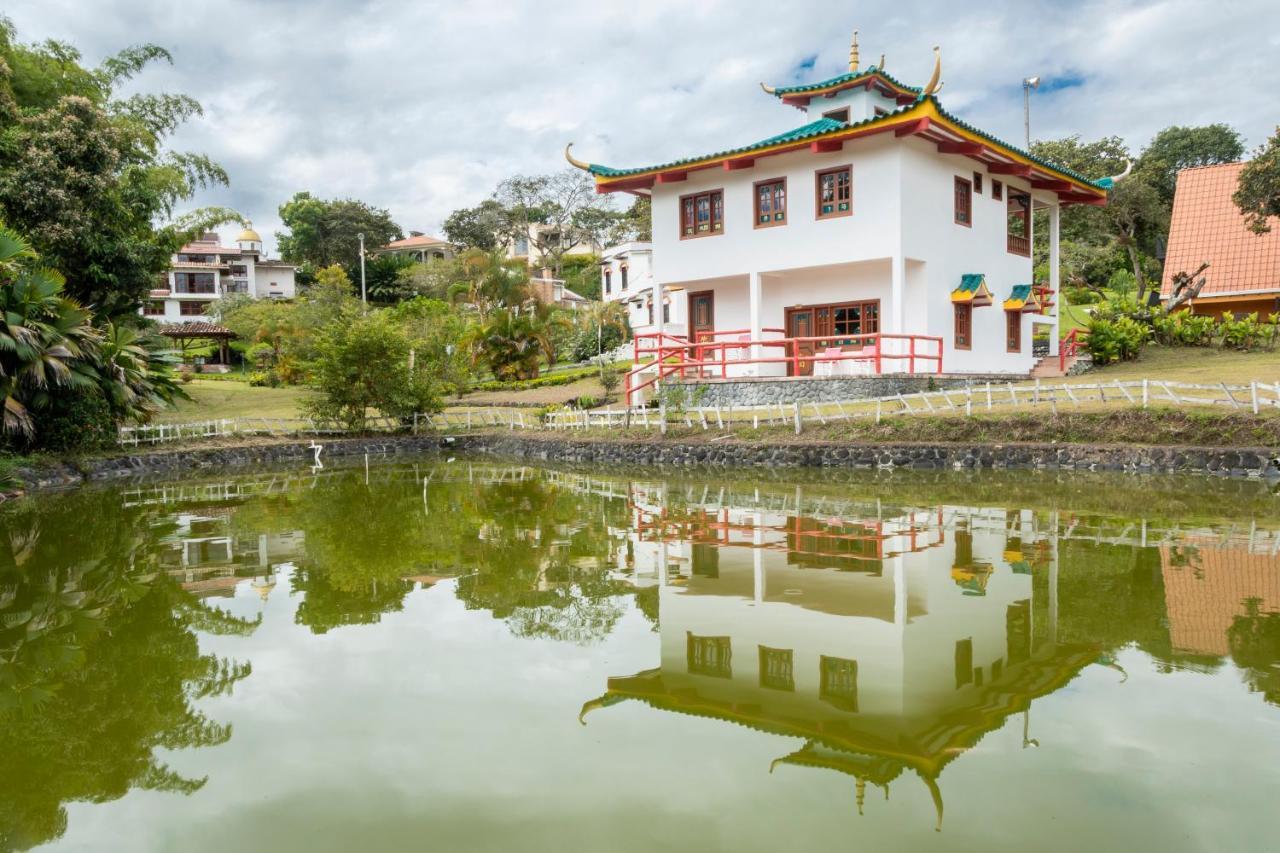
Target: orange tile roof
(1207,226)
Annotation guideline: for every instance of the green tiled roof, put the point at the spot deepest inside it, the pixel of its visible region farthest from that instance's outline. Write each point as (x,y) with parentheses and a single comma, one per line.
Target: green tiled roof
(971,281)
(807,131)
(836,81)
(1020,292)
(825,126)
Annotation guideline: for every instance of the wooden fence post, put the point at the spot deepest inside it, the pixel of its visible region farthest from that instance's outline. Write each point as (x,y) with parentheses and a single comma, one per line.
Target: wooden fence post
(797,417)
(662,418)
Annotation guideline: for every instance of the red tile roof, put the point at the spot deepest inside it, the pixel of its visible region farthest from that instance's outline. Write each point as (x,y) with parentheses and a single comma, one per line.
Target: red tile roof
(1207,226)
(415,242)
(1205,589)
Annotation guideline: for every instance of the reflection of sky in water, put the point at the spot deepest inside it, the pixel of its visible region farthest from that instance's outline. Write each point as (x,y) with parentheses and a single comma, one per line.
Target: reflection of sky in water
(439,727)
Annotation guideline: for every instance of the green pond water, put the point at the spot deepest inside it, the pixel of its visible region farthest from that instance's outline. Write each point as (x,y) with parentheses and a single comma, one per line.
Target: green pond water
(469,656)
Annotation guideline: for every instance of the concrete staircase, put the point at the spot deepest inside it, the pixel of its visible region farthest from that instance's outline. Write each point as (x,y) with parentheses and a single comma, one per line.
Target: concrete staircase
(1048,367)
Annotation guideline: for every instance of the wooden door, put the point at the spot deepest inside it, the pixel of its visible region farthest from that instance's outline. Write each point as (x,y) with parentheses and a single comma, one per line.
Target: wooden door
(702,315)
(800,325)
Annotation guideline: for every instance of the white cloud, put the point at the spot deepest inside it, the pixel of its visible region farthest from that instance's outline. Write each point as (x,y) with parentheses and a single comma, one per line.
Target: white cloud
(424,107)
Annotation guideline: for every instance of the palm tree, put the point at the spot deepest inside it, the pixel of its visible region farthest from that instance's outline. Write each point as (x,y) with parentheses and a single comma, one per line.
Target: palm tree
(46,339)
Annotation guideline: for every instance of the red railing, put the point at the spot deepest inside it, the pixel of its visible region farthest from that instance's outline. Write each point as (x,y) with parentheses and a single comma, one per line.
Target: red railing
(709,357)
(1070,347)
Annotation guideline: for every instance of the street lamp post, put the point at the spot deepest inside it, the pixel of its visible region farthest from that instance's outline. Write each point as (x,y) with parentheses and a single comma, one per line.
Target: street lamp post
(364,296)
(1028,83)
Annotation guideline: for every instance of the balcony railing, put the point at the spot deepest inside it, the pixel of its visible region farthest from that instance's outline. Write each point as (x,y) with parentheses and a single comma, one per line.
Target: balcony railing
(1019,245)
(831,355)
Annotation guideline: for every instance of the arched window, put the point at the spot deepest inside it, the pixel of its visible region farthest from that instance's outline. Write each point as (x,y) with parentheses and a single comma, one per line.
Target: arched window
(623,269)
(608,280)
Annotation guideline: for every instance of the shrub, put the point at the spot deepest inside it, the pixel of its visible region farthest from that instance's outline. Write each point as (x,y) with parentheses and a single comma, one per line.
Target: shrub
(587,346)
(72,421)
(586,401)
(1118,339)
(264,379)
(1080,296)
(1182,328)
(1245,334)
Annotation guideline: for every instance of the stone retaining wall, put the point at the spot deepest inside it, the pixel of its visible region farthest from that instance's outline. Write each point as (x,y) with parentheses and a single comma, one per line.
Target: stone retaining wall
(1245,462)
(1254,462)
(788,390)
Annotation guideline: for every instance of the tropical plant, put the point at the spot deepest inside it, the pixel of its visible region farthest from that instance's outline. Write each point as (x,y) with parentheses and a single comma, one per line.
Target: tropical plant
(509,342)
(1118,338)
(46,338)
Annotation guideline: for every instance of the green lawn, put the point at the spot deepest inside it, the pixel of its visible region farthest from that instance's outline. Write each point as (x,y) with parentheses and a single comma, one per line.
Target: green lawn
(223,398)
(1193,364)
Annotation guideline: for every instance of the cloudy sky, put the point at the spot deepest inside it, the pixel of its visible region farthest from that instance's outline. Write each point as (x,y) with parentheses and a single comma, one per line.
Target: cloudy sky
(421,107)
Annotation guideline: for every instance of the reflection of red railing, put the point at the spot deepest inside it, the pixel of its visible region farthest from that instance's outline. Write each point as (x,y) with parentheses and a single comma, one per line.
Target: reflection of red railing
(712,356)
(1070,347)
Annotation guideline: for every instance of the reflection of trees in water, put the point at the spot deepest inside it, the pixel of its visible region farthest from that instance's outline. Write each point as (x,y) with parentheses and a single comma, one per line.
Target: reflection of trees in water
(99,665)
(1255,647)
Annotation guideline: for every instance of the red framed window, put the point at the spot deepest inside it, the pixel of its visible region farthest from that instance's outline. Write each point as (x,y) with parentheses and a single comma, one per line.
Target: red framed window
(153,308)
(1013,331)
(997,190)
(977,183)
(192,309)
(963,333)
(1019,222)
(771,203)
(834,194)
(964,202)
(702,214)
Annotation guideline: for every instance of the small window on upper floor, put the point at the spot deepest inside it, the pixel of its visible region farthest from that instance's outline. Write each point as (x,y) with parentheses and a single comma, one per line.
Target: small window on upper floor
(834,192)
(841,114)
(881,111)
(771,202)
(964,203)
(622,270)
(153,308)
(608,280)
(997,190)
(702,214)
(977,183)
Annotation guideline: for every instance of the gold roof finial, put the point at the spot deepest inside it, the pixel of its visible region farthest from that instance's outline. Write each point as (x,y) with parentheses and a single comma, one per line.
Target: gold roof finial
(935,81)
(853,52)
(574,161)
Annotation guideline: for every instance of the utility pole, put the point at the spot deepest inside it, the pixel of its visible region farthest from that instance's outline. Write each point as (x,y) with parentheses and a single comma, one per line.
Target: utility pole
(1028,84)
(364,296)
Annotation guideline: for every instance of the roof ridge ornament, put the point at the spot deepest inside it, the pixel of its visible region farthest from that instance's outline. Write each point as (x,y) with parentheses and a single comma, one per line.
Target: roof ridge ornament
(935,81)
(1112,180)
(768,90)
(853,52)
(574,161)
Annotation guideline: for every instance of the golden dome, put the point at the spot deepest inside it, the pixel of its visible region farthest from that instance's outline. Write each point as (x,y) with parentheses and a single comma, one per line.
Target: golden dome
(248,235)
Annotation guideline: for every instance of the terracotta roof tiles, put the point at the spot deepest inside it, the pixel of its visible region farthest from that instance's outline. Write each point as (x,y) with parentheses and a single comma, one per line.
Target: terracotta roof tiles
(1207,226)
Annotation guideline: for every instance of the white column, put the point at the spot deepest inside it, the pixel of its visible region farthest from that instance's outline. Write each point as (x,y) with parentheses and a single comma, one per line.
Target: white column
(1055,272)
(657,308)
(898,287)
(754,296)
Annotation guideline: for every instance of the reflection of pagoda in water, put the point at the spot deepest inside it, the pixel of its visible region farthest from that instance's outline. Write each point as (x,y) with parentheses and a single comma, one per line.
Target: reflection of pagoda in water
(888,644)
(208,559)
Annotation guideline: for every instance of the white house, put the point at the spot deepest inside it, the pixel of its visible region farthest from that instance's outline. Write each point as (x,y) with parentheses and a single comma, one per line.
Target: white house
(881,235)
(626,276)
(420,247)
(203,272)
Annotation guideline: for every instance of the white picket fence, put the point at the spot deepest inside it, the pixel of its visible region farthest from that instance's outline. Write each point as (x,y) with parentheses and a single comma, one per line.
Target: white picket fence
(976,398)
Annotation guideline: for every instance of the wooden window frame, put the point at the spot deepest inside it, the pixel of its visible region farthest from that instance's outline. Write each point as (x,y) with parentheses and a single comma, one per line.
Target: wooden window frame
(968,195)
(1017,244)
(150,304)
(977,183)
(997,190)
(693,221)
(845,699)
(184,306)
(787,684)
(840,114)
(1013,331)
(965,310)
(755,202)
(817,193)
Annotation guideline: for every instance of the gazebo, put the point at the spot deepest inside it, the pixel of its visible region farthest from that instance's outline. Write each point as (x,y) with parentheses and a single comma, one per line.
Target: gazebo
(185,333)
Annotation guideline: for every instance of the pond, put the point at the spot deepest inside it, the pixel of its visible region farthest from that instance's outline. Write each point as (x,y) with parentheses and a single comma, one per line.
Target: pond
(463,655)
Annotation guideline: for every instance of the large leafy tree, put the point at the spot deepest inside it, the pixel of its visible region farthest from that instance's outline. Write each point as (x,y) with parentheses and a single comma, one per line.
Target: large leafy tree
(1176,148)
(476,227)
(1258,193)
(85,175)
(323,232)
(555,212)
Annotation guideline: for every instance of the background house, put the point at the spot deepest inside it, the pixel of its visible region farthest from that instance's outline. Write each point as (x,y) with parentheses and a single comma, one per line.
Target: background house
(203,271)
(420,247)
(1244,267)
